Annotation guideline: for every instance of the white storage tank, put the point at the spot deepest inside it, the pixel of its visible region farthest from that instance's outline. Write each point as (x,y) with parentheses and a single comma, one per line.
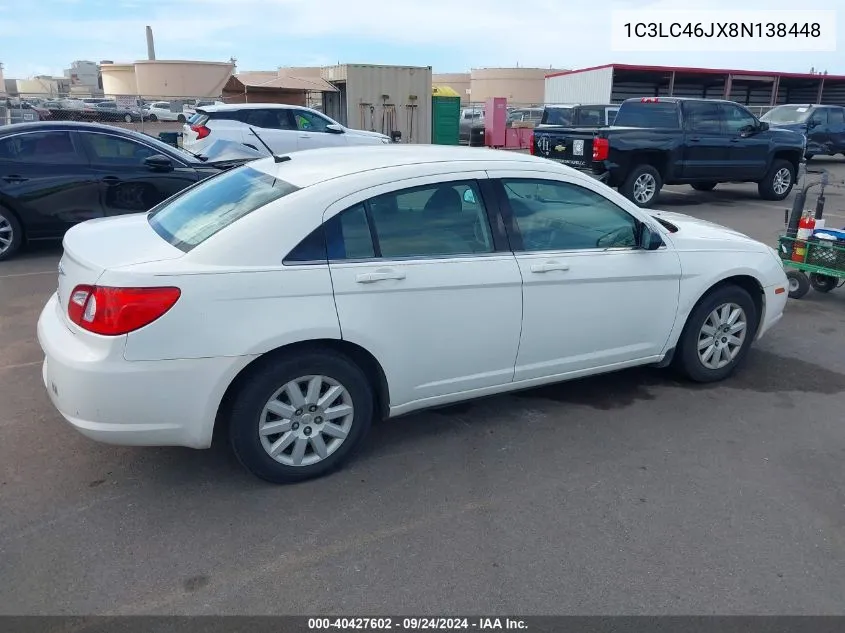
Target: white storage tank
(381,99)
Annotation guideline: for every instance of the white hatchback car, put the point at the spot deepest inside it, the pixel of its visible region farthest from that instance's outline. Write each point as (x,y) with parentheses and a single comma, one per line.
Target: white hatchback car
(284,128)
(298,297)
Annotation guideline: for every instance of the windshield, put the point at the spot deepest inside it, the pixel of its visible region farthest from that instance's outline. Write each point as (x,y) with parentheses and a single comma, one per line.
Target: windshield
(192,217)
(788,114)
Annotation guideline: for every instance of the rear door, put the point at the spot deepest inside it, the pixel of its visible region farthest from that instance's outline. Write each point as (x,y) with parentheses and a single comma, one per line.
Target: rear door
(127,185)
(706,152)
(46,178)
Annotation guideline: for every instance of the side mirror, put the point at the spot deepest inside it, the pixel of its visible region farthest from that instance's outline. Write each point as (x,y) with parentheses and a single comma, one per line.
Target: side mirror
(334,129)
(158,162)
(763,126)
(649,240)
(813,123)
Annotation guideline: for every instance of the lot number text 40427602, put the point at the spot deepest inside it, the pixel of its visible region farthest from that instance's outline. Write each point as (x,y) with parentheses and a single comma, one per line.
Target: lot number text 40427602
(417,624)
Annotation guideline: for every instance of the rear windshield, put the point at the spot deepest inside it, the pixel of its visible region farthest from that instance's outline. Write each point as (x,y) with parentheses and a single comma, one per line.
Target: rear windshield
(198,118)
(193,216)
(557,116)
(647,114)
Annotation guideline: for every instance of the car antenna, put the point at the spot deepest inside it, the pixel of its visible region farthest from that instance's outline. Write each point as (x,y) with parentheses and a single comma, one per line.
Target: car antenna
(276,157)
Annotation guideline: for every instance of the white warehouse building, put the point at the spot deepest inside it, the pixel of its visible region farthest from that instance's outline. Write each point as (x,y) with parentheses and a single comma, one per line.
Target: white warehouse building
(613,83)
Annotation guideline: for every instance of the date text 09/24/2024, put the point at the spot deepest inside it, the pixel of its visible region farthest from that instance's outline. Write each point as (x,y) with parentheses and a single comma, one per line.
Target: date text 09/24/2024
(723,29)
(415,624)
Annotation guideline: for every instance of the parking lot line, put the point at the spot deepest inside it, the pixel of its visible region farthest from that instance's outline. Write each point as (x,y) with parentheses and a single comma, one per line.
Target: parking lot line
(42,272)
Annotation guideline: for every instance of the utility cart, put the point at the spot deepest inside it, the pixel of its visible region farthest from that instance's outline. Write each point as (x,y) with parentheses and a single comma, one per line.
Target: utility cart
(812,253)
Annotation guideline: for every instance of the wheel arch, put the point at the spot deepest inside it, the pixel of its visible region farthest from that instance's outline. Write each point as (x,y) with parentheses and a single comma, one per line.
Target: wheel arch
(744,280)
(11,209)
(362,357)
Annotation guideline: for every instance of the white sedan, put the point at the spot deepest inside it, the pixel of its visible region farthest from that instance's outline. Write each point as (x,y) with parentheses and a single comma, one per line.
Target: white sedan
(297,298)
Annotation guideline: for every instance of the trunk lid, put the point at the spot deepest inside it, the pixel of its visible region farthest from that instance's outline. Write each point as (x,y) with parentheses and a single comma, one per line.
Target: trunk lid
(570,146)
(95,246)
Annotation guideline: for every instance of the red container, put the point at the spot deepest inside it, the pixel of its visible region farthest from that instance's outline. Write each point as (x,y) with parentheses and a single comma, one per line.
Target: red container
(496,122)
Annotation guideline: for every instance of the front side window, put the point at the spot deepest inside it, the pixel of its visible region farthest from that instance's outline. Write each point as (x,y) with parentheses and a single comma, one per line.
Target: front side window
(737,119)
(309,122)
(209,207)
(836,116)
(819,117)
(56,148)
(430,221)
(558,216)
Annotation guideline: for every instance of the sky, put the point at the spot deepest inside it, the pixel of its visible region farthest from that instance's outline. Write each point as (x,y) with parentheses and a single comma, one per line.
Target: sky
(44,36)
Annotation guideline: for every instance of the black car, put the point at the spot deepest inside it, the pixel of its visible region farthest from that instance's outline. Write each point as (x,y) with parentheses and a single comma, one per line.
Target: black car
(55,175)
(823,125)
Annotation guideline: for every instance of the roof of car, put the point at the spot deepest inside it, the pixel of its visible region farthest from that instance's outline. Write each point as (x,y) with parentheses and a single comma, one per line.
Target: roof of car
(318,165)
(229,107)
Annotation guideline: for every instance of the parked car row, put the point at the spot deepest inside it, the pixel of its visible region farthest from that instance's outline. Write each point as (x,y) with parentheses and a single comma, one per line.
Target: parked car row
(702,142)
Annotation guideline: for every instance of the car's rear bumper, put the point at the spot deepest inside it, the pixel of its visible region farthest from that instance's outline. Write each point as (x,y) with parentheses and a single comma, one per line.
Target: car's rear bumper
(143,403)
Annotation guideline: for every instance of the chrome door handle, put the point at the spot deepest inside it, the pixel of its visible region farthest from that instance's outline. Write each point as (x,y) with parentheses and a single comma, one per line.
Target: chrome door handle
(368,278)
(549,267)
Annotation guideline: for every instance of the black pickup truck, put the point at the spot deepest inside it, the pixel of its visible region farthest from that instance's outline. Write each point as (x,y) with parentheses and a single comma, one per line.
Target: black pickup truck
(672,140)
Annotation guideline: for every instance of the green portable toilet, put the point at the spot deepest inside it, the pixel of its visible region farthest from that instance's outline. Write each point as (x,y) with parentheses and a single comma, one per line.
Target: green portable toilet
(445,117)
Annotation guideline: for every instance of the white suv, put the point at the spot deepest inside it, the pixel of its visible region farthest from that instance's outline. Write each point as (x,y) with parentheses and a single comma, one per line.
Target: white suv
(284,128)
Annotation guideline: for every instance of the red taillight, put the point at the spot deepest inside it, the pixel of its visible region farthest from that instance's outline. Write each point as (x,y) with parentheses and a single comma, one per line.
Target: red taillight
(114,311)
(649,100)
(531,144)
(201,131)
(601,149)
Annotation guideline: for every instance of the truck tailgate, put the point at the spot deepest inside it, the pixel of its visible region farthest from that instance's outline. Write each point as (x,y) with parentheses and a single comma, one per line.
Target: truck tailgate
(570,146)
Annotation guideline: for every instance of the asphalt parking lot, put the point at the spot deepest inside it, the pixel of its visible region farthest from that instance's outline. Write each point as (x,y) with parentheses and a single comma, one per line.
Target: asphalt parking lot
(626,494)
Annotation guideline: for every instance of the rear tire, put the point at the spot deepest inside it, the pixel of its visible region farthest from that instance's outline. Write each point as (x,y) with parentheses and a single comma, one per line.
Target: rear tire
(778,182)
(11,234)
(180,118)
(642,185)
(153,118)
(713,344)
(704,186)
(271,430)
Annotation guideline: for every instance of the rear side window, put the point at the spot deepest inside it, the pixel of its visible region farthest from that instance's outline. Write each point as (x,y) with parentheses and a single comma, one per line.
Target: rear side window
(205,209)
(648,115)
(198,119)
(703,117)
(55,147)
(836,116)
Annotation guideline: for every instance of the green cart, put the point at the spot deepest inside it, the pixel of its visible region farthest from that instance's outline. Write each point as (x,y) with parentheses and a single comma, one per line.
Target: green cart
(822,268)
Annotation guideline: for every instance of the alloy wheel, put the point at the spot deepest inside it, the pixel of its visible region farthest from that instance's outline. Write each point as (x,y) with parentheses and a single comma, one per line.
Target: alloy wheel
(722,336)
(306,420)
(7,235)
(644,188)
(782,181)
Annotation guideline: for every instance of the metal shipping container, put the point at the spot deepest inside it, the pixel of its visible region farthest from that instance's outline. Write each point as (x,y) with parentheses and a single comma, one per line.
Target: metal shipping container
(588,86)
(381,99)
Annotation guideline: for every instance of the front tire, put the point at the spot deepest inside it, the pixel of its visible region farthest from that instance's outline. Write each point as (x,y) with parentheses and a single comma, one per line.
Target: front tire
(11,234)
(180,118)
(717,335)
(642,186)
(300,417)
(778,181)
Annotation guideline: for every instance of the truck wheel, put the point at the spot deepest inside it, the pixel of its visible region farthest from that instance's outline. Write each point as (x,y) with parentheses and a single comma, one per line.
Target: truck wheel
(778,182)
(799,284)
(704,186)
(642,185)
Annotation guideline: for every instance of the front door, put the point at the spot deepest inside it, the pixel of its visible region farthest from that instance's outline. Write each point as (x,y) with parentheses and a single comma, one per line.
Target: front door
(591,299)
(749,146)
(706,148)
(836,124)
(313,132)
(420,282)
(46,178)
(818,132)
(127,185)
